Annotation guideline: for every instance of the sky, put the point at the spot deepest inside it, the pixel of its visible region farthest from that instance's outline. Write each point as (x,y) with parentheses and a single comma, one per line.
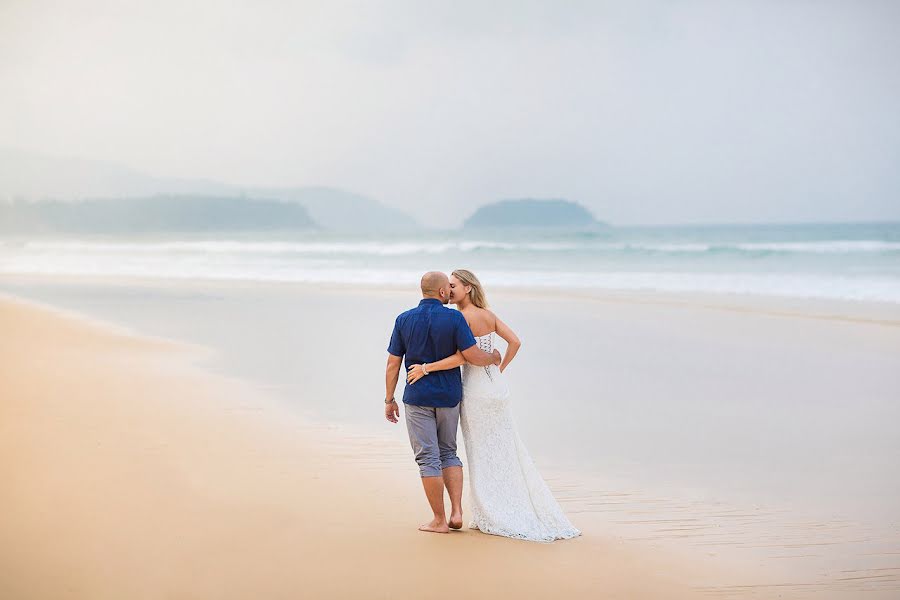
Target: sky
(644,111)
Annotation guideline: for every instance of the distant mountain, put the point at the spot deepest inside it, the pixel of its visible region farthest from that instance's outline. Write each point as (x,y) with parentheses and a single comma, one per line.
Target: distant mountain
(532,213)
(340,210)
(31,176)
(153,215)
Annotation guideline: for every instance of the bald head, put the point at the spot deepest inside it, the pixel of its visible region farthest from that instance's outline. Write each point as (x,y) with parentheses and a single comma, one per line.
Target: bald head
(436,285)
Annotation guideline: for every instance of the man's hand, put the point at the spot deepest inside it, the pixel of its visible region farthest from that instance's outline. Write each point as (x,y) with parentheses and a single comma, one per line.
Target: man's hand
(478,357)
(392,411)
(497,358)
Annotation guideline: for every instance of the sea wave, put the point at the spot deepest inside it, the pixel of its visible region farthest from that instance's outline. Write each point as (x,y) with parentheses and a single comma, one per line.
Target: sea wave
(272,247)
(878,288)
(419,247)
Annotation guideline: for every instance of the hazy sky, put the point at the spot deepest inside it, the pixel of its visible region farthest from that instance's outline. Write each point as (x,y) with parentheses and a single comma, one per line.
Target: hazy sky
(646,112)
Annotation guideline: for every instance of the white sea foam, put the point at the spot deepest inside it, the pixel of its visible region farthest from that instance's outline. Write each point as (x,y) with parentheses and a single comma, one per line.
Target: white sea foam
(237,247)
(416,247)
(865,288)
(864,269)
(825,247)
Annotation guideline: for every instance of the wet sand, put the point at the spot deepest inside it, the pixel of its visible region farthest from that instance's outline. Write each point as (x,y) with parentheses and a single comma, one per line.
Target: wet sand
(131,472)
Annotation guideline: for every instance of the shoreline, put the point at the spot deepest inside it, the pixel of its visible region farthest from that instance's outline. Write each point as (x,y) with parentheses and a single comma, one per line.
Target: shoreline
(199,486)
(862,311)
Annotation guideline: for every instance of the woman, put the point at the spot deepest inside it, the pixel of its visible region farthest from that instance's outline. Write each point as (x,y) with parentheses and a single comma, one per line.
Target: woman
(509,497)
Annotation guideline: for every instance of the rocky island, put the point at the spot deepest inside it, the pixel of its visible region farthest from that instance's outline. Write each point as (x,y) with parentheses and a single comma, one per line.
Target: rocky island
(532,213)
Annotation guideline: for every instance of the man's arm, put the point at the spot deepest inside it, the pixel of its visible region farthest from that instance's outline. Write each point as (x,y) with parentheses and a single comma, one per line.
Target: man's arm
(478,357)
(417,372)
(391,377)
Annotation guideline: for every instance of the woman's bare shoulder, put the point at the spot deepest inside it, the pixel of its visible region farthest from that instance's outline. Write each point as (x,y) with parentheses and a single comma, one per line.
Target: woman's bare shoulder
(481,319)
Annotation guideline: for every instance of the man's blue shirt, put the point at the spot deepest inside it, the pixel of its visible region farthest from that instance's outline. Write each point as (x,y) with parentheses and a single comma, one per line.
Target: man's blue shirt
(426,334)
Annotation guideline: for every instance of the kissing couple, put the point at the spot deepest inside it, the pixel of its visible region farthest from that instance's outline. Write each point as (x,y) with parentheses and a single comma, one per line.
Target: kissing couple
(454,376)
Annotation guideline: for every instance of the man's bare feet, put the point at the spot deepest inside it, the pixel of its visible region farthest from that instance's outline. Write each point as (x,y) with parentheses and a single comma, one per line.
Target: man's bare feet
(456,521)
(436,526)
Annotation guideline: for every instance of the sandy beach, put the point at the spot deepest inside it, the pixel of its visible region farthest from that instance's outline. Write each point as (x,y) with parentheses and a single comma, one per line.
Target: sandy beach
(226,440)
(129,472)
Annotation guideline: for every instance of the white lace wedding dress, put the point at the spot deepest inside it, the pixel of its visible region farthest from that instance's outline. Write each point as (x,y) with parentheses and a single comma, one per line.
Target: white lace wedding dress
(508,495)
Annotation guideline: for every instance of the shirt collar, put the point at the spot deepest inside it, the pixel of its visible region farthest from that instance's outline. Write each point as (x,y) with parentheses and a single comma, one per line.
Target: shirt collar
(424,301)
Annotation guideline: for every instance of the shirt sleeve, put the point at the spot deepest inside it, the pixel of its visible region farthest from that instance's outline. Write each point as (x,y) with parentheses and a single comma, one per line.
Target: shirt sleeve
(396,345)
(464,337)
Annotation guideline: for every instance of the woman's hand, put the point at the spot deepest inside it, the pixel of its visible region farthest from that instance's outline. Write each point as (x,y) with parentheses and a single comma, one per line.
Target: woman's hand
(414,373)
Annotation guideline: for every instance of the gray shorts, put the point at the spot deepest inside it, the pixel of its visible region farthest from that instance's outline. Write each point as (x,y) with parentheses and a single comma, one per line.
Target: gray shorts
(432,435)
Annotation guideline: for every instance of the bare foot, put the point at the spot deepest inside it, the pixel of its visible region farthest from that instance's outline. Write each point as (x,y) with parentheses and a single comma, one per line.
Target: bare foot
(436,526)
(456,520)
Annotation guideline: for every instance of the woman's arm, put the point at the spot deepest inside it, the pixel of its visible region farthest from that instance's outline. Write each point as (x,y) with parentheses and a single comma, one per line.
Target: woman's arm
(416,373)
(511,338)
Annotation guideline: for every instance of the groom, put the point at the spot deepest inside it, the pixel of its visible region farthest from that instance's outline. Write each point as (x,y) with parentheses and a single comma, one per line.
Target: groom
(426,334)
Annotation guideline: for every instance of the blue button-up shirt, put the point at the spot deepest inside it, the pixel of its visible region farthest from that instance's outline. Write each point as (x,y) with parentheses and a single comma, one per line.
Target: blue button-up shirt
(426,334)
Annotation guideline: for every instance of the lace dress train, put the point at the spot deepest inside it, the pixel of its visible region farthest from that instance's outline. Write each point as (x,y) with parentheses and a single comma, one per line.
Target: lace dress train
(508,495)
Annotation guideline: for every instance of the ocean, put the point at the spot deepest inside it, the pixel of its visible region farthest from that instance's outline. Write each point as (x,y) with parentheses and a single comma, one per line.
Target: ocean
(847,261)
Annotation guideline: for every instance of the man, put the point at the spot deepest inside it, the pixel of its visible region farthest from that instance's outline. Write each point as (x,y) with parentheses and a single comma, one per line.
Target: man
(426,334)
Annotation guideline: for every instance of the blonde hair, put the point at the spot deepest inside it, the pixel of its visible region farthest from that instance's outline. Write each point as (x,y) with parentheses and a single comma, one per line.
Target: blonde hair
(476,294)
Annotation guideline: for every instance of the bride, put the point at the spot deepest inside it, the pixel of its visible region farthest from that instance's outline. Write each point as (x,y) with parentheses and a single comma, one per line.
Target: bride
(509,496)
